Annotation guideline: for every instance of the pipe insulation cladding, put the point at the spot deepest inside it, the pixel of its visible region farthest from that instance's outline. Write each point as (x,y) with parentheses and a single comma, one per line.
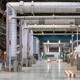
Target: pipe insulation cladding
(45,7)
(52,21)
(52,26)
(11,37)
(49,20)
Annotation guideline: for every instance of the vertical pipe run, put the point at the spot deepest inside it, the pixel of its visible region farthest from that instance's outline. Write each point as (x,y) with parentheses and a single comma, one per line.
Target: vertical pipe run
(44,49)
(24,34)
(48,46)
(20,42)
(72,42)
(59,46)
(11,38)
(25,40)
(30,48)
(77,36)
(31,42)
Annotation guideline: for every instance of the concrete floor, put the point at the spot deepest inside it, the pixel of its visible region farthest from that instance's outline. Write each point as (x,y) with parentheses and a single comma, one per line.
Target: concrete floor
(42,71)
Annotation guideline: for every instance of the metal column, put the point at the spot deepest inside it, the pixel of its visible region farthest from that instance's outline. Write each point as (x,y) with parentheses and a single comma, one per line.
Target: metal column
(44,49)
(59,46)
(23,40)
(31,45)
(77,36)
(72,43)
(11,38)
(30,48)
(48,46)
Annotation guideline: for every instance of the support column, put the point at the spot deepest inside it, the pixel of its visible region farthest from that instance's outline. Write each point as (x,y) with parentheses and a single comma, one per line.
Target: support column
(78,59)
(44,49)
(77,36)
(59,46)
(31,42)
(11,38)
(48,46)
(23,45)
(30,47)
(72,43)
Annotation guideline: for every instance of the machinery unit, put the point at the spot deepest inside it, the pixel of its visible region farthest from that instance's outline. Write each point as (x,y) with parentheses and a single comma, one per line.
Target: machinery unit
(36,48)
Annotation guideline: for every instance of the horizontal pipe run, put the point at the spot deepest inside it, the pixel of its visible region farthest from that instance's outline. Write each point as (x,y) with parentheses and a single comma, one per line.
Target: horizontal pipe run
(45,7)
(46,17)
(51,26)
(52,34)
(50,20)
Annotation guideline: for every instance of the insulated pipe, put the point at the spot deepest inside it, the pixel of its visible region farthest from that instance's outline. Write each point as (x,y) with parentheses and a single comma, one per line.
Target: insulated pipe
(31,43)
(36,34)
(11,39)
(48,46)
(60,20)
(20,42)
(51,26)
(45,50)
(77,36)
(52,21)
(24,41)
(49,20)
(45,7)
(72,42)
(45,17)
(59,49)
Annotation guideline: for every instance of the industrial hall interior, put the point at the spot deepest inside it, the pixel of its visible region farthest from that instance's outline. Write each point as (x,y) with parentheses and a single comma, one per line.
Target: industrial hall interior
(39,39)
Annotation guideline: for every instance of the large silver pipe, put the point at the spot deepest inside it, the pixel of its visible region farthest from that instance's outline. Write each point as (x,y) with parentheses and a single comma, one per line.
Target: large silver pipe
(23,36)
(31,43)
(77,36)
(51,26)
(52,21)
(11,39)
(40,34)
(49,20)
(45,7)
(45,17)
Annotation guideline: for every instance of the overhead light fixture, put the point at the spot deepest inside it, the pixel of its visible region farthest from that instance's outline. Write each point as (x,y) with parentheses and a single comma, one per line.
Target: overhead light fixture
(42,33)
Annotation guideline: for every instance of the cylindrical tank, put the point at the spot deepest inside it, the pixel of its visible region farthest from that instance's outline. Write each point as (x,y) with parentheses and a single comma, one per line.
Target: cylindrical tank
(36,47)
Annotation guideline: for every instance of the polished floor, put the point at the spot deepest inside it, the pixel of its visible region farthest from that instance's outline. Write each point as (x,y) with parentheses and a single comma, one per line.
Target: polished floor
(42,71)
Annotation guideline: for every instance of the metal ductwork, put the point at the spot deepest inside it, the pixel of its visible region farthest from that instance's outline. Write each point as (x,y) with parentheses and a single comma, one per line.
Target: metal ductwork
(45,7)
(45,17)
(51,21)
(52,27)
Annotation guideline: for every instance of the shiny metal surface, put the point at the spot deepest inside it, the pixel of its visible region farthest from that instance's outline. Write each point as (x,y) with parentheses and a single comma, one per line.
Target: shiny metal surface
(45,7)
(42,71)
